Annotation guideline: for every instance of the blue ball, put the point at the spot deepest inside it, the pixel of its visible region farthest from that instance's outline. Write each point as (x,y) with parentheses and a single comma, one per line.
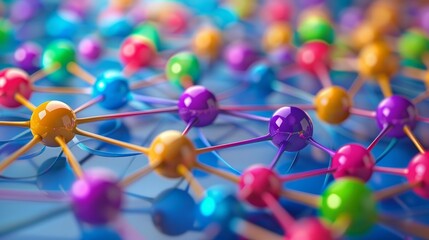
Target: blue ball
(104,233)
(174,212)
(262,77)
(113,86)
(116,27)
(63,24)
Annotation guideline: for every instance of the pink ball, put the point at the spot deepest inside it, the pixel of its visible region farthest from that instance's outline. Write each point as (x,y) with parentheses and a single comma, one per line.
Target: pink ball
(353,160)
(309,229)
(257,181)
(313,55)
(418,171)
(12,81)
(137,52)
(277,11)
(90,48)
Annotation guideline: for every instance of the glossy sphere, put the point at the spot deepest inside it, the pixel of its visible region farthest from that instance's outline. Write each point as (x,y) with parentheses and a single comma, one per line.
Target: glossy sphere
(413,45)
(376,59)
(53,119)
(310,229)
(276,36)
(258,181)
(384,15)
(60,52)
(418,171)
(114,88)
(364,34)
(239,56)
(207,42)
(262,76)
(353,160)
(316,28)
(97,197)
(90,48)
(333,104)
(349,198)
(198,102)
(5,32)
(137,52)
(397,111)
(150,32)
(290,126)
(183,68)
(277,11)
(313,55)
(27,57)
(12,81)
(172,149)
(168,217)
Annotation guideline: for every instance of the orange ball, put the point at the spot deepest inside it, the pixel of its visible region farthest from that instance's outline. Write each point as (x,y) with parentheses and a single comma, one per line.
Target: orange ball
(277,35)
(376,59)
(53,119)
(207,42)
(384,15)
(365,34)
(333,104)
(172,149)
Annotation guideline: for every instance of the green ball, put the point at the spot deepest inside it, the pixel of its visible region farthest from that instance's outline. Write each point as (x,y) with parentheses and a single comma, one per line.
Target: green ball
(5,32)
(316,28)
(413,45)
(183,66)
(149,31)
(349,198)
(60,52)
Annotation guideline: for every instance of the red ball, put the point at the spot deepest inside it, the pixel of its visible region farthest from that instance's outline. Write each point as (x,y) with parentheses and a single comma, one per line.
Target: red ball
(12,81)
(257,181)
(313,55)
(137,52)
(418,171)
(277,11)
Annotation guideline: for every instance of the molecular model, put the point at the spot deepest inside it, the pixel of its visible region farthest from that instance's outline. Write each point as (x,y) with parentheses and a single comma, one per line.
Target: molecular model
(236,119)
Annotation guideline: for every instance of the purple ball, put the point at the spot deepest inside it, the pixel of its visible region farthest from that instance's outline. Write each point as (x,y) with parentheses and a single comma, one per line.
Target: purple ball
(282,56)
(351,17)
(90,48)
(424,19)
(198,102)
(398,112)
(292,127)
(239,56)
(24,10)
(97,197)
(27,57)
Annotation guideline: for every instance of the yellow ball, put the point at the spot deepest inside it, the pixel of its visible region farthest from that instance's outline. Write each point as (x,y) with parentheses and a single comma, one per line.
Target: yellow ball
(243,8)
(333,104)
(376,59)
(277,35)
(172,149)
(365,34)
(384,15)
(53,119)
(207,42)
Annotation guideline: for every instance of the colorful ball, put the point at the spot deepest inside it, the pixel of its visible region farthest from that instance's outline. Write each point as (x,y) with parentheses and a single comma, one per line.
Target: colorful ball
(364,34)
(27,57)
(258,181)
(351,200)
(384,15)
(183,69)
(262,76)
(333,104)
(418,172)
(376,59)
(310,228)
(60,53)
(353,160)
(5,32)
(277,35)
(413,45)
(240,55)
(316,28)
(53,119)
(207,42)
(398,112)
(90,48)
(114,88)
(277,11)
(97,197)
(150,32)
(13,81)
(313,55)
(291,127)
(137,52)
(282,56)
(166,213)
(197,102)
(172,149)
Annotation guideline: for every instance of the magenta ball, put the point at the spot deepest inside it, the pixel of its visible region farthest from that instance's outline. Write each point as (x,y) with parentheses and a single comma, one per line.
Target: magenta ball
(258,181)
(90,48)
(353,160)
(27,56)
(292,127)
(97,197)
(313,55)
(197,102)
(13,81)
(398,112)
(239,56)
(310,229)
(418,171)
(424,19)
